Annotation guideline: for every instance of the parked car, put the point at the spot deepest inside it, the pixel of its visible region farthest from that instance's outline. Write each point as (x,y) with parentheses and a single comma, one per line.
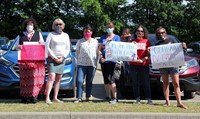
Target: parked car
(188,73)
(9,70)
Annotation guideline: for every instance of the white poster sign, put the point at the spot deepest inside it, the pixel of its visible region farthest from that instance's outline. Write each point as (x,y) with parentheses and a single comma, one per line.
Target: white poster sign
(121,51)
(169,55)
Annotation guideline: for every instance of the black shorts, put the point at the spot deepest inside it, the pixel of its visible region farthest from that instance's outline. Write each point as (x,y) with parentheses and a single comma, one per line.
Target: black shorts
(107,71)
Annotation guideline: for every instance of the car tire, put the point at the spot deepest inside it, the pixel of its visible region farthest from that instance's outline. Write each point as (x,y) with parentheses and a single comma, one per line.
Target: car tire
(189,94)
(70,93)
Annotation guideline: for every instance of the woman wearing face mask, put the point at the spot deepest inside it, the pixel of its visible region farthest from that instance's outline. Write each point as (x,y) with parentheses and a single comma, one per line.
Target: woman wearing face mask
(58,45)
(139,70)
(87,55)
(32,73)
(161,36)
(108,66)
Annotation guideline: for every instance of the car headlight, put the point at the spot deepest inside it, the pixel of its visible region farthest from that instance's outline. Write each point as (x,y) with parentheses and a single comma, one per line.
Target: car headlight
(4,61)
(191,63)
(68,61)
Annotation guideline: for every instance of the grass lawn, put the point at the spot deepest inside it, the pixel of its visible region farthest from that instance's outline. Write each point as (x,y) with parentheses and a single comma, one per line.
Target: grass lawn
(97,107)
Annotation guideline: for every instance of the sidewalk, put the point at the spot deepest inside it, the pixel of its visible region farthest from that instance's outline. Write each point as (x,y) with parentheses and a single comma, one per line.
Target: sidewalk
(96,115)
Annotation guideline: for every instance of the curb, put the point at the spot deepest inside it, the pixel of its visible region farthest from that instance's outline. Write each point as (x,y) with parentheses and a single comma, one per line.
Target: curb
(96,115)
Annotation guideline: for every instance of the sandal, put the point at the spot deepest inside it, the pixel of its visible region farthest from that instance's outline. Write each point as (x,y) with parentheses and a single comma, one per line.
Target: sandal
(182,106)
(48,102)
(57,100)
(166,104)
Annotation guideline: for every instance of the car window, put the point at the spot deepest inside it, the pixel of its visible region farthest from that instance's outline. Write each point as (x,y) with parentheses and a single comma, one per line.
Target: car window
(195,47)
(152,39)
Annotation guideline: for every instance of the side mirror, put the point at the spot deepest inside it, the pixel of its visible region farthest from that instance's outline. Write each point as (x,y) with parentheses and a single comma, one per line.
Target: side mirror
(4,47)
(189,50)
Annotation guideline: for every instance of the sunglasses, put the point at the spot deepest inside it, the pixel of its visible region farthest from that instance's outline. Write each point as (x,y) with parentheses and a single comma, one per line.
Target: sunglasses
(58,24)
(161,33)
(140,31)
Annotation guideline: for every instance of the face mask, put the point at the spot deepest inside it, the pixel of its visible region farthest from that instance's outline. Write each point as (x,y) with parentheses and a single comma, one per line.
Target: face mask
(29,28)
(160,37)
(87,35)
(58,29)
(139,34)
(109,30)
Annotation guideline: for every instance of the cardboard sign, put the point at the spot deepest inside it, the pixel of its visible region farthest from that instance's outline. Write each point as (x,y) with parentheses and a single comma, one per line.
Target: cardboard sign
(169,55)
(32,52)
(120,51)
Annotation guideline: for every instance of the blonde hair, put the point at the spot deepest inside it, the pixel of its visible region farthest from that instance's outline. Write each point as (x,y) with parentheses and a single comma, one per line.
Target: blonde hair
(56,21)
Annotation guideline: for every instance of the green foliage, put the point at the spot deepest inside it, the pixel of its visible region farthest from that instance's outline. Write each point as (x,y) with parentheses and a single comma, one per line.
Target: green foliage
(182,20)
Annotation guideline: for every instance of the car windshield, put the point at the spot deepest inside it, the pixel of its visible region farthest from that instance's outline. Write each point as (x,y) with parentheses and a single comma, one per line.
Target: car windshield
(152,39)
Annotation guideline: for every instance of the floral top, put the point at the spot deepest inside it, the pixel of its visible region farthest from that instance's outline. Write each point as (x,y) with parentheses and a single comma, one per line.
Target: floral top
(87,52)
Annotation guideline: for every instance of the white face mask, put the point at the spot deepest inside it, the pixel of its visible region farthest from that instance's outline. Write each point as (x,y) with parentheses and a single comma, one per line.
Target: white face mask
(29,28)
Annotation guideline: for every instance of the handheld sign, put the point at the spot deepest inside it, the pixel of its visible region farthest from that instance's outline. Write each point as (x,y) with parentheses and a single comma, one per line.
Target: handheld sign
(120,51)
(32,52)
(169,55)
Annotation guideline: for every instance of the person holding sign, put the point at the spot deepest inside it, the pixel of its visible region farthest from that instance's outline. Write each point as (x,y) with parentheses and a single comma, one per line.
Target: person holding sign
(139,70)
(58,45)
(87,55)
(108,66)
(32,72)
(161,36)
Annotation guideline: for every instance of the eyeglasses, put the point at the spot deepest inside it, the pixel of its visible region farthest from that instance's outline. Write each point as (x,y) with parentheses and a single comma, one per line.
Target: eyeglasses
(58,24)
(140,31)
(161,33)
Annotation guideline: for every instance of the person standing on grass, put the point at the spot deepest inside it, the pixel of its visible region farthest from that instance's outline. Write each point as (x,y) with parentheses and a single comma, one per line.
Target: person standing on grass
(139,70)
(108,66)
(87,56)
(31,72)
(161,36)
(58,45)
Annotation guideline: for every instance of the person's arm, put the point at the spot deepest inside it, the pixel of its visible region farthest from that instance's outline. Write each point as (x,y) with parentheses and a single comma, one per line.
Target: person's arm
(67,49)
(48,43)
(17,46)
(41,40)
(77,49)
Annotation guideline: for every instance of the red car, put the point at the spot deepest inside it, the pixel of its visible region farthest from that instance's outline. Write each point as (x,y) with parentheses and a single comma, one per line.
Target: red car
(188,73)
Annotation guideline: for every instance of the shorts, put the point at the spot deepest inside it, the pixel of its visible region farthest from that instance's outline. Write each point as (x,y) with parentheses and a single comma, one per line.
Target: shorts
(171,70)
(53,67)
(107,71)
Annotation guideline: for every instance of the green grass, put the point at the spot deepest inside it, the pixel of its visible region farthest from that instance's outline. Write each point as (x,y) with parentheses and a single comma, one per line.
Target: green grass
(97,107)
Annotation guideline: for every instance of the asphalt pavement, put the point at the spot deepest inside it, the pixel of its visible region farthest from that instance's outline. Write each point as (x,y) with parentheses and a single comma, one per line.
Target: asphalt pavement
(98,93)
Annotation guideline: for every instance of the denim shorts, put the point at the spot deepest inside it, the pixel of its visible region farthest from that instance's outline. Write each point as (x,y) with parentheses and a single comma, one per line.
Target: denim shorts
(171,70)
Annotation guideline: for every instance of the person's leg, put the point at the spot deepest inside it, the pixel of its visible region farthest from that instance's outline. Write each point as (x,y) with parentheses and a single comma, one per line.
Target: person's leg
(135,82)
(57,87)
(175,81)
(165,78)
(144,77)
(89,79)
(105,74)
(49,85)
(81,70)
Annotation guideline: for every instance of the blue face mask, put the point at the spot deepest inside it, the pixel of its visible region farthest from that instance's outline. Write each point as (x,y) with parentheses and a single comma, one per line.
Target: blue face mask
(58,29)
(109,30)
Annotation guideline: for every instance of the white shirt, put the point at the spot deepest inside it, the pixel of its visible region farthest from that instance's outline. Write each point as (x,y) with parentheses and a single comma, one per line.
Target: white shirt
(87,52)
(58,45)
